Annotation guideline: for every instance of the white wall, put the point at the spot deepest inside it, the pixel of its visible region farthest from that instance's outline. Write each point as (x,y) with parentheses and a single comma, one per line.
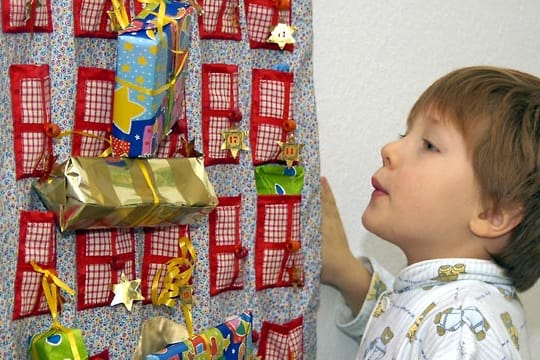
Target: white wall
(372,59)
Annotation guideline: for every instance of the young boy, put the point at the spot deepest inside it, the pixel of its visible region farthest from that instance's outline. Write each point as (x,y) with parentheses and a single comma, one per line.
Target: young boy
(459,193)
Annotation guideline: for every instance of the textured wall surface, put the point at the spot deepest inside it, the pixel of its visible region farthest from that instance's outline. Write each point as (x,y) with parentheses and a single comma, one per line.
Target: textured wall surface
(371,61)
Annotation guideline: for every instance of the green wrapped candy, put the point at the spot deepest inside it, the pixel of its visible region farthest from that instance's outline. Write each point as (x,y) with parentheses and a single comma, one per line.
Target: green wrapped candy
(279,180)
(58,343)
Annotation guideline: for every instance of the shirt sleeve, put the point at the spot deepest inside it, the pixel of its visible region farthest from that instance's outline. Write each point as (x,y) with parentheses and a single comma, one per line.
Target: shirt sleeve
(381,281)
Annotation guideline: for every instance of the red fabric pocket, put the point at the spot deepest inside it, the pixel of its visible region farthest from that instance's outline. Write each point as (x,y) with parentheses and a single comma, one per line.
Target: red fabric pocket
(278,253)
(261,17)
(102,257)
(220,20)
(26,16)
(220,111)
(226,251)
(90,18)
(93,111)
(31,107)
(37,242)
(280,342)
(271,106)
(174,144)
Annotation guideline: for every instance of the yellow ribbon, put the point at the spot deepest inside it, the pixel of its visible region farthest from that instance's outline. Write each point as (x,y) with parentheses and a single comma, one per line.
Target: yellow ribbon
(163,88)
(105,152)
(155,198)
(119,16)
(50,283)
(176,280)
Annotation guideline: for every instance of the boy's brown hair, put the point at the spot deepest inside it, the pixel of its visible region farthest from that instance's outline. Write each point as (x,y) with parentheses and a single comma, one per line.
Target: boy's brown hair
(498,112)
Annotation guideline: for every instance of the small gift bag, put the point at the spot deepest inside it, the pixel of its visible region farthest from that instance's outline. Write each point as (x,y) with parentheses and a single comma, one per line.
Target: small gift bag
(59,342)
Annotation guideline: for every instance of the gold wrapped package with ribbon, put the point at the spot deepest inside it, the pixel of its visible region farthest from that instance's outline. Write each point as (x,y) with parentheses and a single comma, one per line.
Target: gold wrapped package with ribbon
(97,192)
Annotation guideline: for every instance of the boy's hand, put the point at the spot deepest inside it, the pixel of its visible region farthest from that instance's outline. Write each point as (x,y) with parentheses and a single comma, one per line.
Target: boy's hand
(340,268)
(335,247)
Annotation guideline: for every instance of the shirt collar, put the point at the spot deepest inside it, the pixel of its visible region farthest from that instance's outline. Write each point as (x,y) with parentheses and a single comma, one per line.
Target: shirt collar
(435,272)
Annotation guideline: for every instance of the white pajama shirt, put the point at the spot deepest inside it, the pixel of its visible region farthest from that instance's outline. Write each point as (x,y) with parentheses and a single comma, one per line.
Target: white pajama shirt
(439,309)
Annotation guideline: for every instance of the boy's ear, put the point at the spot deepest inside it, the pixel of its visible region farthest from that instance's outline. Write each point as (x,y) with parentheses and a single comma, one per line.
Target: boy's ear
(493,224)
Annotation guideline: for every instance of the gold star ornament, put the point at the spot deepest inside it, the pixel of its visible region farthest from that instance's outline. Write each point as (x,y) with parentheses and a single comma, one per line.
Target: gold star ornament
(126,292)
(234,140)
(290,151)
(282,34)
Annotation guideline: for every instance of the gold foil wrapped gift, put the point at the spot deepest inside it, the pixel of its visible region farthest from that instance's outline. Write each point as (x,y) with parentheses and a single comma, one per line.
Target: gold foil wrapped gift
(96,192)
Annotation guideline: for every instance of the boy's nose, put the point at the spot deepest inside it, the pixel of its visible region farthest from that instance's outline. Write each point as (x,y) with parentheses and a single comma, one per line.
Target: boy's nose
(389,154)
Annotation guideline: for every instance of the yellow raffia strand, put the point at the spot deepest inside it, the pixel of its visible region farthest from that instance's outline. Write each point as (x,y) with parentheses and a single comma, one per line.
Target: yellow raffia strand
(105,153)
(176,280)
(155,198)
(118,15)
(51,284)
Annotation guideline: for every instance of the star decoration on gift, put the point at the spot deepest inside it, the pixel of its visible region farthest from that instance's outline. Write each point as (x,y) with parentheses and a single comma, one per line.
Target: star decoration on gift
(125,110)
(290,151)
(126,292)
(282,34)
(234,140)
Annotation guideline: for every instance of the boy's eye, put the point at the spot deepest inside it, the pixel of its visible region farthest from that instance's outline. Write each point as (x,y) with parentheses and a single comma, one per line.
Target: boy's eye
(429,146)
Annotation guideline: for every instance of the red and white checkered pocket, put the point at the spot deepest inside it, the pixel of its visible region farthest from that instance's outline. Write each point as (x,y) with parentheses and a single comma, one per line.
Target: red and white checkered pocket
(26,16)
(278,253)
(31,107)
(261,17)
(37,242)
(160,245)
(282,341)
(91,19)
(102,257)
(221,20)
(271,106)
(174,144)
(226,252)
(219,110)
(93,111)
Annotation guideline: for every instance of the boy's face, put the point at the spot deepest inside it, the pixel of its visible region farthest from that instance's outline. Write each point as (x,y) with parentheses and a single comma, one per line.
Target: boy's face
(425,194)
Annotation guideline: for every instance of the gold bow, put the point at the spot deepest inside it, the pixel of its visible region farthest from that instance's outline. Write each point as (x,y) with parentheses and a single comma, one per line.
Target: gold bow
(176,281)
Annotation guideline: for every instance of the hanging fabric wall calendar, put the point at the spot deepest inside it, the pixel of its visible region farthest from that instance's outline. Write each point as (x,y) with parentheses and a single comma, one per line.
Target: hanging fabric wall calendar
(242,279)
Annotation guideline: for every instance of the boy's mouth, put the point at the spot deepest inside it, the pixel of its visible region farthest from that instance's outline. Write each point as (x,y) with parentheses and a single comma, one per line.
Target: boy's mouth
(378,189)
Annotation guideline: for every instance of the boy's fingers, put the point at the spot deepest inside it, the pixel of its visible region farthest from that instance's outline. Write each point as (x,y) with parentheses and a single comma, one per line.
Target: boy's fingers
(326,192)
